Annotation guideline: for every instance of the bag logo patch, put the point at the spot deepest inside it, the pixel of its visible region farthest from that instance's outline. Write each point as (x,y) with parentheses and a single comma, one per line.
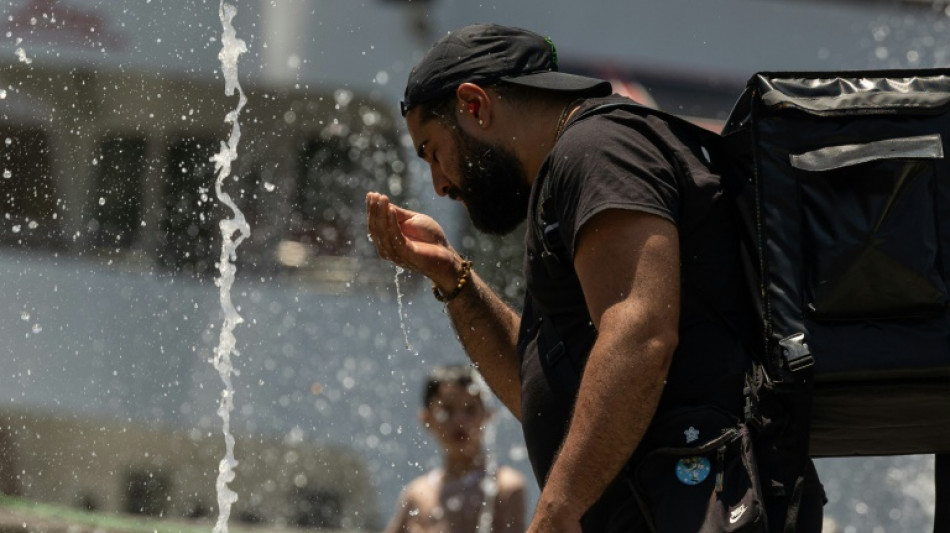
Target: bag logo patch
(693,470)
(737,513)
(692,434)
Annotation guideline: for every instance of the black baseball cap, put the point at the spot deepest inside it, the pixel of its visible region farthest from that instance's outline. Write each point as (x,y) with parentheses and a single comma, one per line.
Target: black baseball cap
(490,53)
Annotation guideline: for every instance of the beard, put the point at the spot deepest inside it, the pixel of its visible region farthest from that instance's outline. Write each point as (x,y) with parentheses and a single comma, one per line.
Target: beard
(493,185)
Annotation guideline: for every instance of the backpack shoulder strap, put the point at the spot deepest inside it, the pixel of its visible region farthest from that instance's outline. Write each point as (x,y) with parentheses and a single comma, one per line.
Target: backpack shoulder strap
(706,135)
(553,248)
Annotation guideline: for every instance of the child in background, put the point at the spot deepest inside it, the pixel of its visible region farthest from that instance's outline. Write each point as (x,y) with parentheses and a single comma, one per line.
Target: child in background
(453,498)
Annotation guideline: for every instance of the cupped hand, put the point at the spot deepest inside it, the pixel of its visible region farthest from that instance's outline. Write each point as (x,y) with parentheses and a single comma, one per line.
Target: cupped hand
(411,240)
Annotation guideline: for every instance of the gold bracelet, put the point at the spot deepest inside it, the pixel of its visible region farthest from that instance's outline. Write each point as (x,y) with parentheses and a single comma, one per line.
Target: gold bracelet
(463,279)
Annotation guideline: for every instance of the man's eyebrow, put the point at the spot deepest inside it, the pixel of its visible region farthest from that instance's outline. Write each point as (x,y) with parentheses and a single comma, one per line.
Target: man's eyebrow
(421,151)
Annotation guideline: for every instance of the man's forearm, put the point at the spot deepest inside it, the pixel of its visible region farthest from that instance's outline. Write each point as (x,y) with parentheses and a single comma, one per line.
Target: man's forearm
(620,390)
(488,330)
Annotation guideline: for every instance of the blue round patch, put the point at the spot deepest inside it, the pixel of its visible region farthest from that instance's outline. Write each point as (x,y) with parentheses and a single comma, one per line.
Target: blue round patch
(693,470)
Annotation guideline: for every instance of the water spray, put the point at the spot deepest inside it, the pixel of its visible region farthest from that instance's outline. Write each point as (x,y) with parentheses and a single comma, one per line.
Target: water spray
(233,232)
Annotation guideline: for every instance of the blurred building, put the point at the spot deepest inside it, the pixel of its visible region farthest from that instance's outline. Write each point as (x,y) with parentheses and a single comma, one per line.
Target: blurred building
(109,115)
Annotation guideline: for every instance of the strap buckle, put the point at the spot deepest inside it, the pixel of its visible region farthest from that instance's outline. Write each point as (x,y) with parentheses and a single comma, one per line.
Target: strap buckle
(796,352)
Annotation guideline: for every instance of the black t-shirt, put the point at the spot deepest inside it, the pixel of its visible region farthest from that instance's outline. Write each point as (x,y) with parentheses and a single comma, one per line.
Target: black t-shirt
(619,159)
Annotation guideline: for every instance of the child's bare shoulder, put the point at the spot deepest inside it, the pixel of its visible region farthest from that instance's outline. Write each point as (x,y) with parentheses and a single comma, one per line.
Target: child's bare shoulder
(422,488)
(509,479)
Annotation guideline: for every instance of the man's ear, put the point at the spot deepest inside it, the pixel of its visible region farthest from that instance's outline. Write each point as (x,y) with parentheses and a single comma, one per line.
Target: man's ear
(475,106)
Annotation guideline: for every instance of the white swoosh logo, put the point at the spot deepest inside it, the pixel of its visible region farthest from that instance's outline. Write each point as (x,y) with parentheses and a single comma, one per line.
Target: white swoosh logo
(736,514)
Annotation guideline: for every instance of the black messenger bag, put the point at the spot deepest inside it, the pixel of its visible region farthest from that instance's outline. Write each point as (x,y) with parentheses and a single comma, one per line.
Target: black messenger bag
(844,183)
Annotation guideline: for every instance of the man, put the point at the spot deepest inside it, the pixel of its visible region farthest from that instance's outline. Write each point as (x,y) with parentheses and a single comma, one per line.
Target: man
(631,261)
(462,494)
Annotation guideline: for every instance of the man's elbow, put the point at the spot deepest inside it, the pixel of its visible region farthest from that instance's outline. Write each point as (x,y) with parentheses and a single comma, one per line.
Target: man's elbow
(647,332)
(661,345)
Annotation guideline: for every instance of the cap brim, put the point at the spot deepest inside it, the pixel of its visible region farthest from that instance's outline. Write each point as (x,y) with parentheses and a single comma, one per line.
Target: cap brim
(564,82)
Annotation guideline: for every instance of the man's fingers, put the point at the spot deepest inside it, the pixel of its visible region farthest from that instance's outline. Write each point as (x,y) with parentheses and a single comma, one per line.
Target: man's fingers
(402,214)
(377,209)
(369,216)
(398,239)
(384,230)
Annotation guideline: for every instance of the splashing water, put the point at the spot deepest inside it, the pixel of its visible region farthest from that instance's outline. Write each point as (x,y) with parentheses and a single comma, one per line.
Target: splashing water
(21,55)
(489,483)
(233,232)
(402,313)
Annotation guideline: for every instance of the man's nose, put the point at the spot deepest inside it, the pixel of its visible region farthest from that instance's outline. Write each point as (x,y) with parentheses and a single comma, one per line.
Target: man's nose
(440,183)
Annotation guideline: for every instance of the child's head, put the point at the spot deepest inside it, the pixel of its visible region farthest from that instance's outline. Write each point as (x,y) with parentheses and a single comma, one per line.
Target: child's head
(454,409)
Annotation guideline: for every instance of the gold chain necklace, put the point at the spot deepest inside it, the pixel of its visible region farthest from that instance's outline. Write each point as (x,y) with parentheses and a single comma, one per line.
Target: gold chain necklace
(566,112)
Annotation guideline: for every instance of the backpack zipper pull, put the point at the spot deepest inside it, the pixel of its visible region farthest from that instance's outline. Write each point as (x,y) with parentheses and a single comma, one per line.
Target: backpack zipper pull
(720,466)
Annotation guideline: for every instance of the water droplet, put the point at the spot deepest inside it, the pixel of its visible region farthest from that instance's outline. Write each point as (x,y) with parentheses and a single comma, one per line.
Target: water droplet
(102,201)
(293,61)
(21,55)
(454,503)
(402,315)
(342,97)
(7,174)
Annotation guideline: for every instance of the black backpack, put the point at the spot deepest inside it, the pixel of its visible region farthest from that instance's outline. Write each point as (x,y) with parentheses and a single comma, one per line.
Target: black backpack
(845,191)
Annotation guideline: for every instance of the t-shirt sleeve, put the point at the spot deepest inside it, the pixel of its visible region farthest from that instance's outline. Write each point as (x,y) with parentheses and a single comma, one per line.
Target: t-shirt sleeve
(601,164)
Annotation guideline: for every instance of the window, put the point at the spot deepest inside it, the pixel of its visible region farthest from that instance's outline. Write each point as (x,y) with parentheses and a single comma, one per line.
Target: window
(189,237)
(324,237)
(27,192)
(117,194)
(327,184)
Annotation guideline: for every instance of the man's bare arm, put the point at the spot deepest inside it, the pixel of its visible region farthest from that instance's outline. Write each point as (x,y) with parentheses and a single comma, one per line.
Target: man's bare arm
(628,265)
(488,330)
